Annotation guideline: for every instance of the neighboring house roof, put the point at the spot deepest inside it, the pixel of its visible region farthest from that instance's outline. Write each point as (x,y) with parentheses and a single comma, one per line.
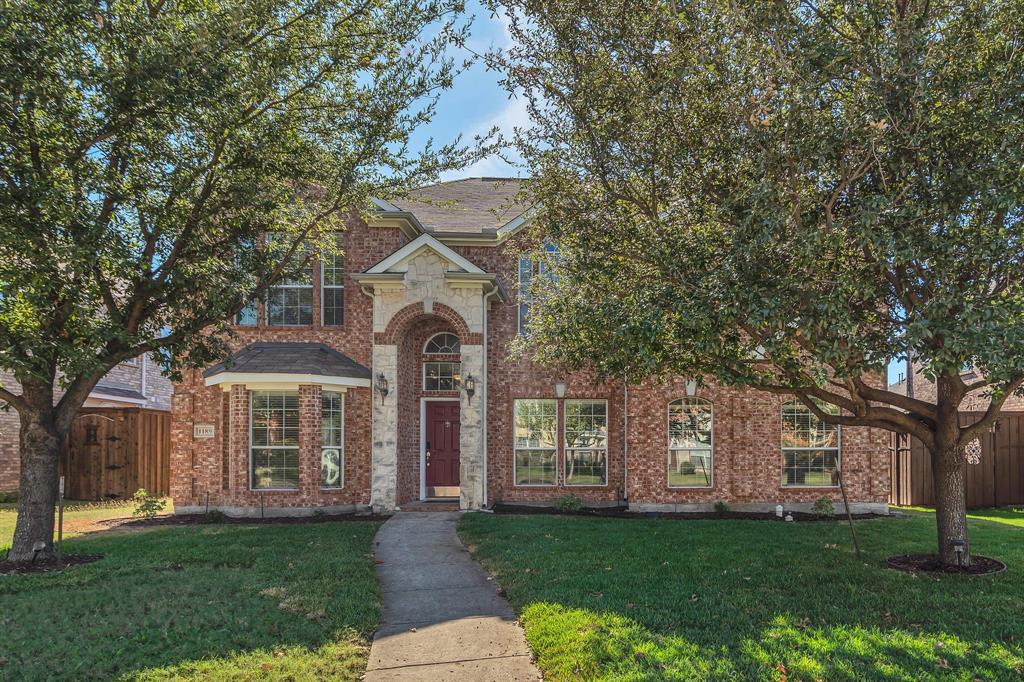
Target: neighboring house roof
(288,366)
(128,394)
(468,206)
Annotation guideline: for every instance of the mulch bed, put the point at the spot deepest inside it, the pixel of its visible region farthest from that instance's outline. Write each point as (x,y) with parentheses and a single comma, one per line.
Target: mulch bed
(23,567)
(931,564)
(203,519)
(624,513)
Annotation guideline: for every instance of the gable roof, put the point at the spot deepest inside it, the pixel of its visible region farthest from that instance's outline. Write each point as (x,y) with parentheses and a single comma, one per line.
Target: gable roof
(424,241)
(292,359)
(468,206)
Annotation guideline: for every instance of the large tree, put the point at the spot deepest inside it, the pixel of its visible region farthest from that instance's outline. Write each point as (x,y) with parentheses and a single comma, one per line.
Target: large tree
(146,149)
(785,195)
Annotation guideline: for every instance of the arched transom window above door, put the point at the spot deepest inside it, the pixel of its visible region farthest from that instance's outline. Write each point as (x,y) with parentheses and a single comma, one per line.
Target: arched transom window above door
(444,343)
(442,374)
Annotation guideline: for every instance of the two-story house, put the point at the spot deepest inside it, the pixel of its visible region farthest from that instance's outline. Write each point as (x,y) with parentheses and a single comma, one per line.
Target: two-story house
(383,378)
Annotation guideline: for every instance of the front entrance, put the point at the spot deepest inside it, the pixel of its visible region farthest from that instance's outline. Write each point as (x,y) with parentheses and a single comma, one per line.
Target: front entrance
(441,448)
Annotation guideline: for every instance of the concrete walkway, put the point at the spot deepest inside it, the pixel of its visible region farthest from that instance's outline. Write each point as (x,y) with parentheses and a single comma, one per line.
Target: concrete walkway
(443,617)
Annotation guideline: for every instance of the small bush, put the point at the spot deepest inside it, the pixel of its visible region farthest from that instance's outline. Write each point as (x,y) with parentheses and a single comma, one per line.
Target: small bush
(147,506)
(8,498)
(319,515)
(569,503)
(824,507)
(721,508)
(215,516)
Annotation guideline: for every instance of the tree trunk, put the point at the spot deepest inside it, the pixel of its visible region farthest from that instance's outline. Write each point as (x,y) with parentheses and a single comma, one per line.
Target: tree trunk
(948,478)
(39,442)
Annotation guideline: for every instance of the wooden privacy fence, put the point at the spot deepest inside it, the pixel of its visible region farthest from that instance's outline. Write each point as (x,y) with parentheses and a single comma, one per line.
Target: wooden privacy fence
(112,452)
(996,481)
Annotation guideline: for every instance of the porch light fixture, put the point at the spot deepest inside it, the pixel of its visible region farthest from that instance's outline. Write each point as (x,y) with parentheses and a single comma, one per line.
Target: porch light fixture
(381,386)
(470,385)
(691,388)
(560,389)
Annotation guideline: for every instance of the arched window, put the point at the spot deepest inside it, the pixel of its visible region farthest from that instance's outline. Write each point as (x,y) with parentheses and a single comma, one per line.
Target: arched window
(690,448)
(810,447)
(442,344)
(442,374)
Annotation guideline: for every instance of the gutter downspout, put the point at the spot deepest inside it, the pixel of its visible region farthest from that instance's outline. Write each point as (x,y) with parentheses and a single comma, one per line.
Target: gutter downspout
(144,395)
(485,302)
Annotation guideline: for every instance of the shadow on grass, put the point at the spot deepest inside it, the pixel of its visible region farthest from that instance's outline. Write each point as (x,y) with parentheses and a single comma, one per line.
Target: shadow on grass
(647,600)
(213,602)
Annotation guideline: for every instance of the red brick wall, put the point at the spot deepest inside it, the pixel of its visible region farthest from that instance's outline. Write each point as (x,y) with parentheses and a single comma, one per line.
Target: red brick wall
(747,425)
(976,401)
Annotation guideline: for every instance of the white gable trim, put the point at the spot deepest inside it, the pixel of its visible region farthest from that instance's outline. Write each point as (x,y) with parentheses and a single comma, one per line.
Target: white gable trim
(282,381)
(424,241)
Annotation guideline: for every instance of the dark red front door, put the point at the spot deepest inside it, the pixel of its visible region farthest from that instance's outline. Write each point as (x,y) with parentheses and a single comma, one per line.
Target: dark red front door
(442,447)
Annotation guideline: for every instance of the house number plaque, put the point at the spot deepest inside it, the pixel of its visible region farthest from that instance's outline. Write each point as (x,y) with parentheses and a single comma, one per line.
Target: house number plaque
(202,430)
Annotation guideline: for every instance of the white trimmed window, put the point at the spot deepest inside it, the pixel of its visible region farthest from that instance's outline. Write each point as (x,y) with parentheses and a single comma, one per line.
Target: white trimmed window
(810,447)
(248,316)
(530,268)
(290,301)
(690,443)
(274,440)
(442,375)
(332,440)
(586,442)
(536,450)
(332,287)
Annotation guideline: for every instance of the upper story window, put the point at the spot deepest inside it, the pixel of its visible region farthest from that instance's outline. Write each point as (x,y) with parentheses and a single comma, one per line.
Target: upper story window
(690,449)
(810,447)
(332,286)
(530,269)
(442,375)
(442,344)
(290,301)
(248,316)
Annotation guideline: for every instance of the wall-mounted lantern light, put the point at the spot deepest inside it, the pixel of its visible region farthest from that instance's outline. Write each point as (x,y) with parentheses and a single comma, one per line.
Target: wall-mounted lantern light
(691,388)
(560,389)
(470,385)
(381,386)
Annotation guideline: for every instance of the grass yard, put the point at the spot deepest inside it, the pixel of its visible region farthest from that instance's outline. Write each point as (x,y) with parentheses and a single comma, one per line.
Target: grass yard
(216,602)
(628,599)
(79,517)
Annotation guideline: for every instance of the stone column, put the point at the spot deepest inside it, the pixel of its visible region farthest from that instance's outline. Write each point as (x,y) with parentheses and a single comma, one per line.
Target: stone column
(472,477)
(384,458)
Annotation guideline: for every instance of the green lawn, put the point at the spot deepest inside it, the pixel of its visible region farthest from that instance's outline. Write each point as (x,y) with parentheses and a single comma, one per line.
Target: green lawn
(217,602)
(628,599)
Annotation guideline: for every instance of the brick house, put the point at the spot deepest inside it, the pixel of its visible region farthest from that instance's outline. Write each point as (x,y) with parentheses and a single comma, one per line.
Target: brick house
(914,383)
(383,379)
(136,383)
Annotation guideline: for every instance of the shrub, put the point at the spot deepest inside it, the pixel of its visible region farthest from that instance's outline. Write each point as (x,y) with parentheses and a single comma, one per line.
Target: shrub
(214,516)
(568,503)
(721,508)
(319,515)
(147,506)
(824,507)
(7,498)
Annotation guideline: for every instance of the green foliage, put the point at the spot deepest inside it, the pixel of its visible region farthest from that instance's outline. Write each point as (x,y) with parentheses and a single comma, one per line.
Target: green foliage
(203,602)
(148,147)
(721,508)
(215,516)
(147,506)
(8,497)
(824,507)
(639,599)
(789,194)
(569,503)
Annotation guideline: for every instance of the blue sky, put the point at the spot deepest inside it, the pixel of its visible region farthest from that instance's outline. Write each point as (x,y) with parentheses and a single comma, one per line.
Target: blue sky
(478,102)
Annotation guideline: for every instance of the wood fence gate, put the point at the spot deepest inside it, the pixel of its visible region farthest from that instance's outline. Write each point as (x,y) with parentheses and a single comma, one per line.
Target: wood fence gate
(996,481)
(112,452)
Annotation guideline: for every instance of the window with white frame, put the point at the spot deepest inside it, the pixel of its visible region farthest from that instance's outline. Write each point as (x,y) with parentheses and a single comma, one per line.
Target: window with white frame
(442,375)
(690,443)
(530,267)
(536,450)
(274,440)
(332,286)
(586,442)
(332,440)
(290,301)
(248,316)
(810,447)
